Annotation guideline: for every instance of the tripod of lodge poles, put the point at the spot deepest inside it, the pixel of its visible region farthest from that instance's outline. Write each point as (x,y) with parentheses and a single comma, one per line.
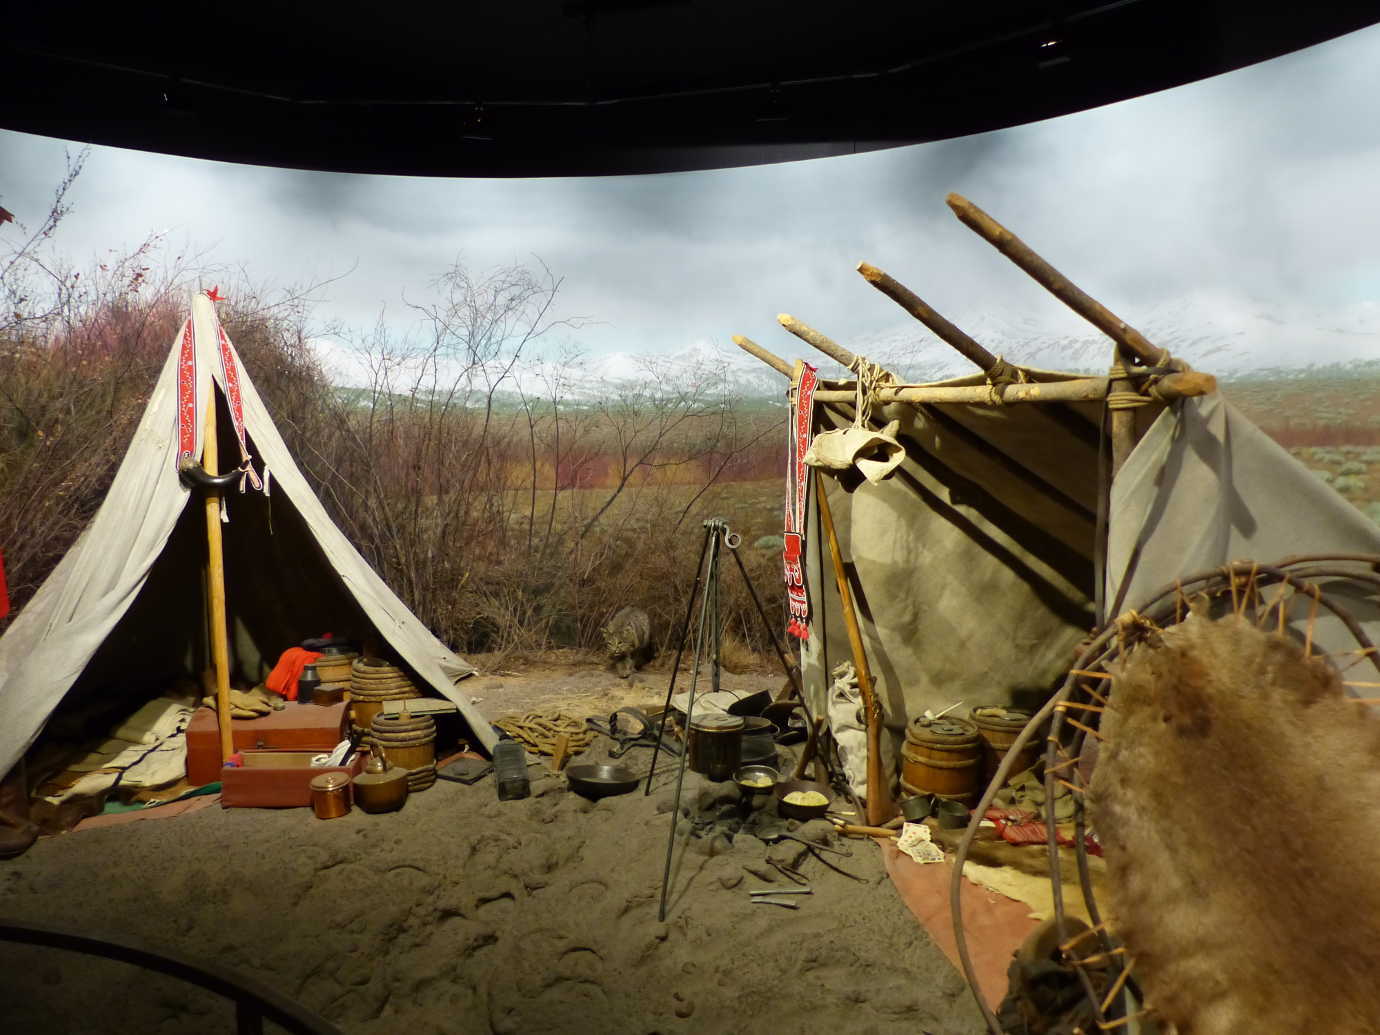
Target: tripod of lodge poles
(708,645)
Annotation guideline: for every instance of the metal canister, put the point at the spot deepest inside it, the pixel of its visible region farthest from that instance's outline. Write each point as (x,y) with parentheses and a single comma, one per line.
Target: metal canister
(330,795)
(716,745)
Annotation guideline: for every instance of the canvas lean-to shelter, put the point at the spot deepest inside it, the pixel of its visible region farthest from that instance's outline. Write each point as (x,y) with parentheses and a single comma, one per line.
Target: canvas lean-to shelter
(127,605)
(1029,506)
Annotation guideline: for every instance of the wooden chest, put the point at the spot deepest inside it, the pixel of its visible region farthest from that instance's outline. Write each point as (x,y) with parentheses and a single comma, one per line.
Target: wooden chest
(276,779)
(302,727)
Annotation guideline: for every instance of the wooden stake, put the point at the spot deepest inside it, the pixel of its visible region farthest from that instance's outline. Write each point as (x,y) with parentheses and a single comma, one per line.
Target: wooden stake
(215,579)
(879,804)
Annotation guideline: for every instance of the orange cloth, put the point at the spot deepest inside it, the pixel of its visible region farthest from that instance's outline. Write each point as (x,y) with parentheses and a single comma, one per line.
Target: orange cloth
(283,679)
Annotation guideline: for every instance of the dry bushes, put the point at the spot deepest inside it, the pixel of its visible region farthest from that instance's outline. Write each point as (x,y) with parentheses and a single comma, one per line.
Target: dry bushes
(511,513)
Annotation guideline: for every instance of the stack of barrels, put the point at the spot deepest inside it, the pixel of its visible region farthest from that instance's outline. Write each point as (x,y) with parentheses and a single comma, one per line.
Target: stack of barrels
(951,757)
(371,683)
(408,741)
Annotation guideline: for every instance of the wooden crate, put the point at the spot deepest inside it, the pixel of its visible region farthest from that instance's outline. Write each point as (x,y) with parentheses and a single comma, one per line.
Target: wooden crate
(276,779)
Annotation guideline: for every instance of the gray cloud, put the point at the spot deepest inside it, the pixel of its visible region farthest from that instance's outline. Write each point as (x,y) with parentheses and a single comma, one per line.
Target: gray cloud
(1255,188)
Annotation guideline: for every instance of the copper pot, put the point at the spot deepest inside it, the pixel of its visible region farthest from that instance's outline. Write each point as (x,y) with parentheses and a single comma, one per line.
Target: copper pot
(330,795)
(381,787)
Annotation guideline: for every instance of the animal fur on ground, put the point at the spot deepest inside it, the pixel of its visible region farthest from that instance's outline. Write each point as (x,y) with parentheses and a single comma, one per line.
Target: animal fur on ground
(628,640)
(1236,798)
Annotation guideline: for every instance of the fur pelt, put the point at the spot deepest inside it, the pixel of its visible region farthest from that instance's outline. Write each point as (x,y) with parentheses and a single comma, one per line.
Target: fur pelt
(1236,798)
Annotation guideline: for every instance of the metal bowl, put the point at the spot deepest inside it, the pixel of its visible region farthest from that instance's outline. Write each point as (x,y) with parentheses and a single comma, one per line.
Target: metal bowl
(792,811)
(601,779)
(952,814)
(745,772)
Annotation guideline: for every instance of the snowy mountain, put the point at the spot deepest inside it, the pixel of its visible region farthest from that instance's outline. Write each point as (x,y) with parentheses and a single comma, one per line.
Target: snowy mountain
(1213,334)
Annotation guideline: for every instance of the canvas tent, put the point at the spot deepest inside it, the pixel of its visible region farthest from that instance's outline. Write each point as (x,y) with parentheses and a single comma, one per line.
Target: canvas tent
(126,604)
(974,565)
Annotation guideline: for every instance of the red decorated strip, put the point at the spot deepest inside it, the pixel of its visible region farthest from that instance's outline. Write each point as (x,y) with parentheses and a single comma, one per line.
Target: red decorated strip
(186,394)
(231,373)
(797,488)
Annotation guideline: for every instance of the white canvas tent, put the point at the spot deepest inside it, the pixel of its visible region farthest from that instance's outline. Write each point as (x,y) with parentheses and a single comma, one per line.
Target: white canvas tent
(126,603)
(973,585)
(974,565)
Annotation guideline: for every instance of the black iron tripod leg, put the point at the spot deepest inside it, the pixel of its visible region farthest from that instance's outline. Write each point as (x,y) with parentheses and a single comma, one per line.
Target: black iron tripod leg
(680,652)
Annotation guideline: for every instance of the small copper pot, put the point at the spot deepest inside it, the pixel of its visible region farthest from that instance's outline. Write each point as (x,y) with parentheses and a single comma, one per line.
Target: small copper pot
(330,795)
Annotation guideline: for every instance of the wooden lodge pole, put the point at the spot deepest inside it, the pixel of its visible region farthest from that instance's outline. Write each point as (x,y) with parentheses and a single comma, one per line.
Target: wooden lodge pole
(921,310)
(1060,286)
(769,358)
(215,580)
(1122,421)
(879,804)
(1078,389)
(825,344)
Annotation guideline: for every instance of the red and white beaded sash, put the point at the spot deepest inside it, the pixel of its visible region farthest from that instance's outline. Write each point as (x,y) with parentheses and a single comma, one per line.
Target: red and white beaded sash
(797,493)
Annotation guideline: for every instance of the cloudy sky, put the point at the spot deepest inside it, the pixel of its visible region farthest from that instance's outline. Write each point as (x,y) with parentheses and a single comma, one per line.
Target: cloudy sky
(1246,200)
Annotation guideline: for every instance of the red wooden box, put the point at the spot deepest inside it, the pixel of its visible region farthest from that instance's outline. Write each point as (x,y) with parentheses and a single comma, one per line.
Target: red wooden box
(276,779)
(301,727)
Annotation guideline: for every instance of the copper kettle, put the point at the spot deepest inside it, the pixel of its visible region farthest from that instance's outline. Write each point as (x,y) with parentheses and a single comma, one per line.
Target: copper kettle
(381,787)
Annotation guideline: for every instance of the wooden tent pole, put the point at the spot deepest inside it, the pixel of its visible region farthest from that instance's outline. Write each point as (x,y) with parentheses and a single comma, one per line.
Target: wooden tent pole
(1123,420)
(825,344)
(921,310)
(769,358)
(1060,286)
(1079,389)
(215,572)
(879,805)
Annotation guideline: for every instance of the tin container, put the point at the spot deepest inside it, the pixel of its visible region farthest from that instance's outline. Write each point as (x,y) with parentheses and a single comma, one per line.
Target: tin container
(330,795)
(716,746)
(328,694)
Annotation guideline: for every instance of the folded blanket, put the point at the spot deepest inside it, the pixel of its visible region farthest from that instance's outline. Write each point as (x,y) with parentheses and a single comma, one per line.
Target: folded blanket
(155,721)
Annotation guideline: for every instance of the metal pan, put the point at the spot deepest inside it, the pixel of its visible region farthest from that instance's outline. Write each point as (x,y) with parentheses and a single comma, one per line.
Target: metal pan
(601,780)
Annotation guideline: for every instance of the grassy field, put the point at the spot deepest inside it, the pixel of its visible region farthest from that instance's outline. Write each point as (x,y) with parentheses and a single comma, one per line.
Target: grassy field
(1330,423)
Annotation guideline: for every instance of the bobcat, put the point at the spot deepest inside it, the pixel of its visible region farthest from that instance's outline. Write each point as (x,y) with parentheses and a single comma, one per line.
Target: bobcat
(628,640)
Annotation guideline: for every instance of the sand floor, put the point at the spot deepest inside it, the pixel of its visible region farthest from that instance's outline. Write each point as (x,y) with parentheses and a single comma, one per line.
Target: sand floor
(462,913)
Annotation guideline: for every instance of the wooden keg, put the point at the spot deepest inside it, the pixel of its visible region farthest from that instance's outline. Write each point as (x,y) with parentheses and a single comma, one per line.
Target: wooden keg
(408,741)
(999,726)
(942,757)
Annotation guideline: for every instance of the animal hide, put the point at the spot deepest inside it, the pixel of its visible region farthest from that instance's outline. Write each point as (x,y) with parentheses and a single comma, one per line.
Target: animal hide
(1235,799)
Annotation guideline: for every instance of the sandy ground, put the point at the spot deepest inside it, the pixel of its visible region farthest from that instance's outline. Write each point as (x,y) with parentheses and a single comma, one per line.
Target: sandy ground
(462,913)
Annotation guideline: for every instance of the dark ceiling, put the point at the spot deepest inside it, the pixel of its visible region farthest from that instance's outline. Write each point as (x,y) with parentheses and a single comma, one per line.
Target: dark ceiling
(581,87)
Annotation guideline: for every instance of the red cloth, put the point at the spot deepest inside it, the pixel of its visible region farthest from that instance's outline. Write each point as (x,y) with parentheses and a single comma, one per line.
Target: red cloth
(283,679)
(4,592)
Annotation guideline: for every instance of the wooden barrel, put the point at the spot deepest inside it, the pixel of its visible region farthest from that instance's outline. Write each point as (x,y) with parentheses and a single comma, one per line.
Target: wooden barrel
(942,757)
(371,683)
(406,740)
(999,726)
